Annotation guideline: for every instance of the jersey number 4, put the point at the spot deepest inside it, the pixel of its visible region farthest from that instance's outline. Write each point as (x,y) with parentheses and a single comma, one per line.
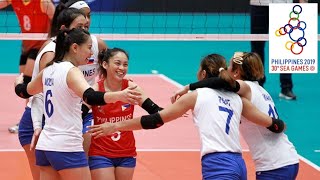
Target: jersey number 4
(48,104)
(230,114)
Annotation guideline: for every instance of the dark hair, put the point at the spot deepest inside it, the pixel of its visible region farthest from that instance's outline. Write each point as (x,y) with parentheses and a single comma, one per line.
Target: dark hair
(251,67)
(63,16)
(65,39)
(105,55)
(212,64)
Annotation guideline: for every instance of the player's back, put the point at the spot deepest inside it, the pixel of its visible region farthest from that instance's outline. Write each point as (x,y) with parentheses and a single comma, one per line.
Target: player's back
(62,109)
(217,116)
(269,150)
(31,20)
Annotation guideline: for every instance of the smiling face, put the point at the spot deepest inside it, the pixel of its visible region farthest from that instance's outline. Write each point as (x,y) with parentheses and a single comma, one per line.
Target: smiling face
(84,51)
(117,67)
(81,52)
(79,22)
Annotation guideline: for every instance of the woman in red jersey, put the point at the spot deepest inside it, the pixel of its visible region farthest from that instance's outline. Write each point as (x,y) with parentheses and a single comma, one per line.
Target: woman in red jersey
(114,157)
(34,16)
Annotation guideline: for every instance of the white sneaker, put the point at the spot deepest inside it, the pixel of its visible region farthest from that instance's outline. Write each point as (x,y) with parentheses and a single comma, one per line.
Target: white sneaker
(14,129)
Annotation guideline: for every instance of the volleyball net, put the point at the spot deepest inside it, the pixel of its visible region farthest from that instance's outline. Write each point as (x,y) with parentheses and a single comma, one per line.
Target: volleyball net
(202,20)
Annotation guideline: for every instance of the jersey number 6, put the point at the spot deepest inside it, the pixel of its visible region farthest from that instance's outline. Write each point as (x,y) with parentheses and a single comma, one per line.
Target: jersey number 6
(48,104)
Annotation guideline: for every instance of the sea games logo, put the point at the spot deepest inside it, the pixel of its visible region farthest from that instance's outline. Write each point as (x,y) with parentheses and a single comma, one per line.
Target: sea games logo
(294,31)
(293,46)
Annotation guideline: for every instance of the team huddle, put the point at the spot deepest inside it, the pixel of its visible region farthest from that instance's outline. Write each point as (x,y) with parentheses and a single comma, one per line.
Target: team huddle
(78,123)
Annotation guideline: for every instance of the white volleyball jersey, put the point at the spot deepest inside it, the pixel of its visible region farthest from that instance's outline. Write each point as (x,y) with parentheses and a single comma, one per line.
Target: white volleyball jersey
(269,150)
(217,115)
(50,47)
(267,2)
(62,108)
(90,70)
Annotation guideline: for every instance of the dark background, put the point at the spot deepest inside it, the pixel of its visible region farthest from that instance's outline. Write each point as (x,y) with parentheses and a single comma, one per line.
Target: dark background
(206,6)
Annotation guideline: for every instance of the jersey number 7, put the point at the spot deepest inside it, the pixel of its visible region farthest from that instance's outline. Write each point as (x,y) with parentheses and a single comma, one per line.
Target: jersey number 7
(230,114)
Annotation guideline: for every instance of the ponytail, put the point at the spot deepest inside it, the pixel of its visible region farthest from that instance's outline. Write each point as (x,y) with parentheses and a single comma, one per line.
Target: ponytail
(54,23)
(224,74)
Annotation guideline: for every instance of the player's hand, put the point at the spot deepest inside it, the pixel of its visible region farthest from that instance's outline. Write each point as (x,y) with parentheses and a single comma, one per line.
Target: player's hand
(177,94)
(130,95)
(35,138)
(100,130)
(19,80)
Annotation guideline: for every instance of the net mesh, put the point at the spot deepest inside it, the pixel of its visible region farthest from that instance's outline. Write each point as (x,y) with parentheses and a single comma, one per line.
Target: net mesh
(162,20)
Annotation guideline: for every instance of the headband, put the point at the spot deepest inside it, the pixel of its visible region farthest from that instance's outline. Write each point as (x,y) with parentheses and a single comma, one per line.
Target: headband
(79,5)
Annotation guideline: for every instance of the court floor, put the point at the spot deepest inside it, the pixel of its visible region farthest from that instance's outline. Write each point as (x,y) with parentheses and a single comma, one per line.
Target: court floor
(168,153)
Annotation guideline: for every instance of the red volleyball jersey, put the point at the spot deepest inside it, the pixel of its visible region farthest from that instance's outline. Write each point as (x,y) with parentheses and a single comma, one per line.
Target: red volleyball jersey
(31,20)
(120,144)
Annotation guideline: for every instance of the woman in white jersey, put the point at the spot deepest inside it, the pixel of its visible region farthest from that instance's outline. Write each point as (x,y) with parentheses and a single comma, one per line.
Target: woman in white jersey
(90,70)
(217,115)
(274,155)
(31,127)
(64,87)
(281,162)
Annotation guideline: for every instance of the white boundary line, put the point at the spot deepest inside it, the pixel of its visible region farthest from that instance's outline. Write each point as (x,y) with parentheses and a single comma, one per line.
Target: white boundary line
(150,37)
(11,150)
(166,78)
(139,150)
(309,163)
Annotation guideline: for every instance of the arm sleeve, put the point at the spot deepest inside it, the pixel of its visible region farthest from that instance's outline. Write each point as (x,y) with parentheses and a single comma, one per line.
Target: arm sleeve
(21,91)
(93,97)
(150,106)
(37,111)
(214,83)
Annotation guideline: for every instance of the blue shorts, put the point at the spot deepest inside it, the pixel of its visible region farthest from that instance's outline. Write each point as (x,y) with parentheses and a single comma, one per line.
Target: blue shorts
(97,162)
(224,165)
(87,122)
(61,160)
(25,131)
(287,172)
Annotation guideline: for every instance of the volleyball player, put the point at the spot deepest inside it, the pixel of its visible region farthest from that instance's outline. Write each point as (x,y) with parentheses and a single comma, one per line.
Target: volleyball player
(217,115)
(34,17)
(275,157)
(90,70)
(64,87)
(114,157)
(32,119)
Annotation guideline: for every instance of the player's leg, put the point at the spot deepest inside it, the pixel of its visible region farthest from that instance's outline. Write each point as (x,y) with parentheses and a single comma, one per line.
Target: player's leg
(125,168)
(48,173)
(87,121)
(23,61)
(80,173)
(46,170)
(35,171)
(101,168)
(25,135)
(22,64)
(32,55)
